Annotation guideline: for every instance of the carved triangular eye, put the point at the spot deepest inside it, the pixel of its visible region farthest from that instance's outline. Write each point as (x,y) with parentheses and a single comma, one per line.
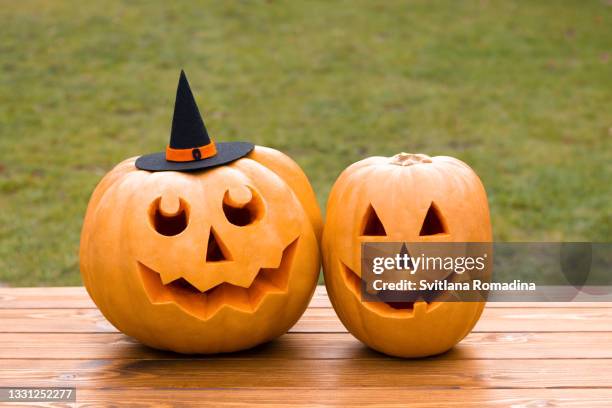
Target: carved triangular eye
(372,226)
(216,251)
(433,223)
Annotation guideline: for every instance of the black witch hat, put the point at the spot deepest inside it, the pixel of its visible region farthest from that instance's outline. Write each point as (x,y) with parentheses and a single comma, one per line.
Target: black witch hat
(190,146)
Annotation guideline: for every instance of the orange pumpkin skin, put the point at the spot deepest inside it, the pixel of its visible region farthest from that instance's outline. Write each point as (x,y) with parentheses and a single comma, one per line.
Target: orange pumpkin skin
(203,262)
(401,190)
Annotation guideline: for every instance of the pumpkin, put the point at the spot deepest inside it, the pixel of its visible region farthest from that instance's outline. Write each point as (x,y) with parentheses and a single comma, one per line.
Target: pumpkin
(203,262)
(404,198)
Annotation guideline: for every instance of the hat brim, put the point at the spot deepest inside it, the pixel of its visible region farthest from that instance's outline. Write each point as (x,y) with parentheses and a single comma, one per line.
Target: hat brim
(226,152)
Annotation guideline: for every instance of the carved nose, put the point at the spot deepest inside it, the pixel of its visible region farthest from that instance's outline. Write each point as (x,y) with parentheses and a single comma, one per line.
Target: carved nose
(216,250)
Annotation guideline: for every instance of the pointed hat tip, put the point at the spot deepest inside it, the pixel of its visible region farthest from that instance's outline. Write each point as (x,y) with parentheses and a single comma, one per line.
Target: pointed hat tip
(183,79)
(188,129)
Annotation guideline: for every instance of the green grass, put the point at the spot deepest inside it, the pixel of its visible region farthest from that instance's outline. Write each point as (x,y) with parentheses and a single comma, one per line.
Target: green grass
(522,91)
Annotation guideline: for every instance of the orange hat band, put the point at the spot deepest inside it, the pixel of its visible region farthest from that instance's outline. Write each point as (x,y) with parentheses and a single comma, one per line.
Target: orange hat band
(191,154)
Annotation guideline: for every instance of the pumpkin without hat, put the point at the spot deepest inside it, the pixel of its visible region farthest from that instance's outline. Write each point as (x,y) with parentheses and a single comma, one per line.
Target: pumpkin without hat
(404,198)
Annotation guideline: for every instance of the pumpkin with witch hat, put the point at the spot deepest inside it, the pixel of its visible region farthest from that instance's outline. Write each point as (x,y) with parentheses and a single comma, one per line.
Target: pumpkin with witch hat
(207,247)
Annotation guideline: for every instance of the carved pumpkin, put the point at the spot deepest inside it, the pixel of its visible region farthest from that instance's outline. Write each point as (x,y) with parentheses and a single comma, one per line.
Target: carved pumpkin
(404,198)
(203,262)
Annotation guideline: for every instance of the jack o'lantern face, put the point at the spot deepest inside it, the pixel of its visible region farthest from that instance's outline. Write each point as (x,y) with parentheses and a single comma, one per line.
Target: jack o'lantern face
(432,229)
(405,198)
(206,261)
(225,253)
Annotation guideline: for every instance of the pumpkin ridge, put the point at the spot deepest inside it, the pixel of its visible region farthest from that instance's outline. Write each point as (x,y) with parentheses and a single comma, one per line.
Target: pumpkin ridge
(290,172)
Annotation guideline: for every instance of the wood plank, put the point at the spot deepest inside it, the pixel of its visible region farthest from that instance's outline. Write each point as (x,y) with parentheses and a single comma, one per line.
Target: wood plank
(432,373)
(325,320)
(371,397)
(309,346)
(53,321)
(518,355)
(76,297)
(542,319)
(92,321)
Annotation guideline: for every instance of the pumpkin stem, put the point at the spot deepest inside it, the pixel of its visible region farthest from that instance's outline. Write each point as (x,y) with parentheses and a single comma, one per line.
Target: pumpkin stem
(408,159)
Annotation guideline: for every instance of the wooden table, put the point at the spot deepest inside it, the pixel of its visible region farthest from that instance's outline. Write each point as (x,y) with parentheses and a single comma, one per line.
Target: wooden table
(535,355)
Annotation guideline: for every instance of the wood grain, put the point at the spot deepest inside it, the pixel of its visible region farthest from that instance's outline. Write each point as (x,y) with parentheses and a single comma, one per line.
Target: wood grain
(523,355)
(74,297)
(385,372)
(324,320)
(310,346)
(346,397)
(77,298)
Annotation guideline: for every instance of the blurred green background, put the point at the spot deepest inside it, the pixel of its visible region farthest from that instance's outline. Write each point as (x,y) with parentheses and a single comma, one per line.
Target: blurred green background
(521,91)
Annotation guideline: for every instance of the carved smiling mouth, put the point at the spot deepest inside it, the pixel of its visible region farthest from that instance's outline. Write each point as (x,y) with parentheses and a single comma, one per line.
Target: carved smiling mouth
(430,299)
(206,304)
